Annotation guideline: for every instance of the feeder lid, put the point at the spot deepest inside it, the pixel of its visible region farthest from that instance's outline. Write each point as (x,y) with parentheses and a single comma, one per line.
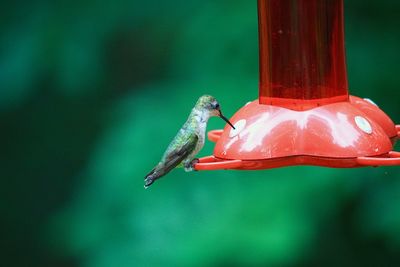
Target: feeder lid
(338,130)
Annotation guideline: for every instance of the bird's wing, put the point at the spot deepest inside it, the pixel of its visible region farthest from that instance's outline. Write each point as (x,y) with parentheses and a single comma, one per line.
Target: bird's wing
(179,153)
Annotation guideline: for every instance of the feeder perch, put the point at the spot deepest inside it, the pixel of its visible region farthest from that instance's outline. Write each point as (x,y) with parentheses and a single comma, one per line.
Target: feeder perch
(304,114)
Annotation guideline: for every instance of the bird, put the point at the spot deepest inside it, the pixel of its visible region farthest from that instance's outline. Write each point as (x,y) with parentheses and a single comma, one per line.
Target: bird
(188,141)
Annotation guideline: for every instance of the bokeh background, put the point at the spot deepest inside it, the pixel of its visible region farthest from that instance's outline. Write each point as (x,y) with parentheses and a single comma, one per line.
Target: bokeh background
(91,93)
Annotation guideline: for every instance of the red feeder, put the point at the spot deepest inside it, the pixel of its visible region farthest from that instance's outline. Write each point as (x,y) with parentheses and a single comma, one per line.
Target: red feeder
(304,114)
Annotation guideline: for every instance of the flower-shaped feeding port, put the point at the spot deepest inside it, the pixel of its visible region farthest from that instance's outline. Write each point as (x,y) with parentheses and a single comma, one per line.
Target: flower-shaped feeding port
(304,114)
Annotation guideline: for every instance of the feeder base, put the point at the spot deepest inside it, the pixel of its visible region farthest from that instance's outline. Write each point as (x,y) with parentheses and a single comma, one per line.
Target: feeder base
(348,134)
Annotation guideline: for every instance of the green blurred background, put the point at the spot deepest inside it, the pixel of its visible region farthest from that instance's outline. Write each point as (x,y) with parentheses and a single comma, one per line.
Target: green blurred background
(91,93)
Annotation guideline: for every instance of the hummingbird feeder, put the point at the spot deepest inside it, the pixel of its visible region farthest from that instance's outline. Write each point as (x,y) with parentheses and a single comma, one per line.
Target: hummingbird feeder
(304,114)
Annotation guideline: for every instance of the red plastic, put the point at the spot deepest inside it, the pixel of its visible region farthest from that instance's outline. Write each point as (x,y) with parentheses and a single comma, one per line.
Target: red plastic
(326,131)
(304,115)
(392,159)
(375,114)
(211,163)
(326,136)
(302,55)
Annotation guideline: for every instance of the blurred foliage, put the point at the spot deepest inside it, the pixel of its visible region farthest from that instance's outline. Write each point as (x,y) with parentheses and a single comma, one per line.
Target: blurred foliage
(91,93)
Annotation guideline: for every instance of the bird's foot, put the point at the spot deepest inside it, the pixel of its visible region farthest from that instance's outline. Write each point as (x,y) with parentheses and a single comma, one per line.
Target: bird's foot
(189,166)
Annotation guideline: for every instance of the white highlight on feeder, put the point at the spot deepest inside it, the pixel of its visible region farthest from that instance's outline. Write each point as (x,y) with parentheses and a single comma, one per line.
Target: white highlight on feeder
(239,126)
(370,101)
(363,124)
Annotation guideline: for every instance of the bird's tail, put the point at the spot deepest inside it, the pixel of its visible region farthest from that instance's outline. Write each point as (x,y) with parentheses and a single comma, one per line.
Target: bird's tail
(155,174)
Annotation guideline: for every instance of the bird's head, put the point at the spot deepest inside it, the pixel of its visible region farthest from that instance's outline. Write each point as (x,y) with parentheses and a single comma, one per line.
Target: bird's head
(209,104)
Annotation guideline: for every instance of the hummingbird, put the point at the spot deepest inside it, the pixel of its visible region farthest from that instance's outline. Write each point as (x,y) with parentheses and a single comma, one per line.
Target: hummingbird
(189,140)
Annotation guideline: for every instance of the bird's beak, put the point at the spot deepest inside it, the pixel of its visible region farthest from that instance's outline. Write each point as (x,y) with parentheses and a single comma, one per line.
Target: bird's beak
(225,119)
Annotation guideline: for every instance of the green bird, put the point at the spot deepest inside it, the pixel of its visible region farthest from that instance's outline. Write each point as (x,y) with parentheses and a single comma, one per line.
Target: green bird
(189,141)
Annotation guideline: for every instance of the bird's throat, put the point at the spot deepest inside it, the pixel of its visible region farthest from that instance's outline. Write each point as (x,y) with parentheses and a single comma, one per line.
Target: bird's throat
(200,116)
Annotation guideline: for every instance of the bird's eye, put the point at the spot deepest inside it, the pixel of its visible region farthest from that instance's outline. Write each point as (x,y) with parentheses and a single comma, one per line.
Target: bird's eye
(216,106)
